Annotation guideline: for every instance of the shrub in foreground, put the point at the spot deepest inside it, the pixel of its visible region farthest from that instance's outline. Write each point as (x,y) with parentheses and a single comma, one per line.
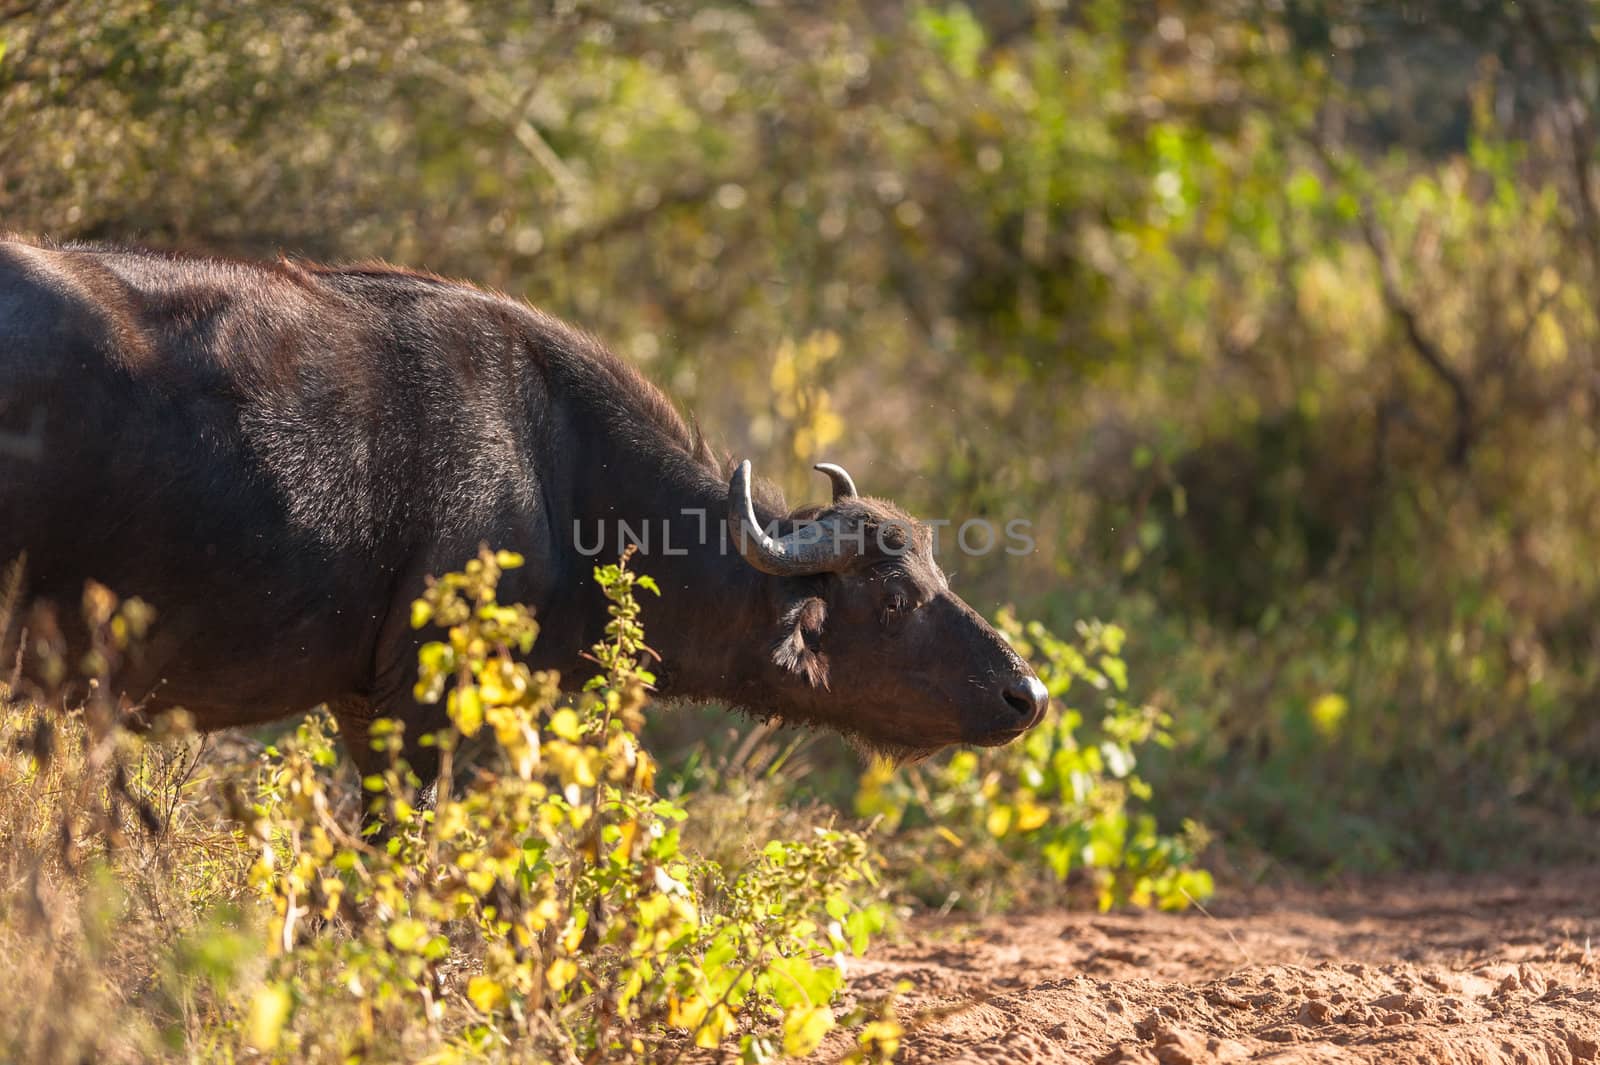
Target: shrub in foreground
(544,904)
(984,829)
(543,908)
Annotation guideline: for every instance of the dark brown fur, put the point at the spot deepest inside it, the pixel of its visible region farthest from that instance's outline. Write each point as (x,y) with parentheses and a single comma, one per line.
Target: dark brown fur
(276,455)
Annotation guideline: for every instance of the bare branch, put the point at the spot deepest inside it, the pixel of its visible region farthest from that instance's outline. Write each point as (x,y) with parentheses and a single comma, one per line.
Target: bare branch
(1428,351)
(17,10)
(512,116)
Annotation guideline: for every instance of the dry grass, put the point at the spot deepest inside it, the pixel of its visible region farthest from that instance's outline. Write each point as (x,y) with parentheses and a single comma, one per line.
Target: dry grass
(118,859)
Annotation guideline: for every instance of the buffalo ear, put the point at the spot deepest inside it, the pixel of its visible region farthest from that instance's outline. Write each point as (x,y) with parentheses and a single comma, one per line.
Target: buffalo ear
(799,647)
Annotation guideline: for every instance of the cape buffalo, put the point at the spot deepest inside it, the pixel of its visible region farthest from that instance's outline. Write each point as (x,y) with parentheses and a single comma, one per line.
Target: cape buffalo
(276,455)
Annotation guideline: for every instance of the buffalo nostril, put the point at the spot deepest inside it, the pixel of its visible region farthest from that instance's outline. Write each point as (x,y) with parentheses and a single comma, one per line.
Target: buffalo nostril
(1027,697)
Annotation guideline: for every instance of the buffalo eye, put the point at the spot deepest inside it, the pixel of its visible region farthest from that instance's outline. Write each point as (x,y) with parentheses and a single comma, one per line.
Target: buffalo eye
(895,608)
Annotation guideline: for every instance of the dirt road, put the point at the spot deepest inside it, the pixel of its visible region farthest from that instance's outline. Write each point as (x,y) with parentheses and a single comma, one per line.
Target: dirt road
(1480,970)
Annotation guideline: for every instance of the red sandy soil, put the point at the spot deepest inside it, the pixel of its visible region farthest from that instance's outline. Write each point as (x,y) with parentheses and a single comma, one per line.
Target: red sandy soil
(1421,969)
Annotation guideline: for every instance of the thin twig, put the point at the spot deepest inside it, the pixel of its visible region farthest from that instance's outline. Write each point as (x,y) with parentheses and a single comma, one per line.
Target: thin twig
(183,782)
(1245,954)
(522,130)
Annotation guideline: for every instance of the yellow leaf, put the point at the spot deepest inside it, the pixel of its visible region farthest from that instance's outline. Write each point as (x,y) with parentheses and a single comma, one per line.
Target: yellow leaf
(486,993)
(1328,713)
(998,821)
(627,832)
(686,1013)
(882,1035)
(269,1012)
(565,723)
(407,934)
(466,710)
(719,1024)
(481,881)
(1031,815)
(562,972)
(421,613)
(803,1029)
(583,770)
(644,774)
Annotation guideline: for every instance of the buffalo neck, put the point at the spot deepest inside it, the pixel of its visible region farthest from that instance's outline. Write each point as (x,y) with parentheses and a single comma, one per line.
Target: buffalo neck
(633,481)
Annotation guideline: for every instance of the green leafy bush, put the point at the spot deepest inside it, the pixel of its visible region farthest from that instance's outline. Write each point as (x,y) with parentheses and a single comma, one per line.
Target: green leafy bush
(552,874)
(984,828)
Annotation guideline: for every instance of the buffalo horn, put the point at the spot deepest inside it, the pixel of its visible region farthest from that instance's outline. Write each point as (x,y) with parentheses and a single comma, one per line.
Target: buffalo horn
(809,549)
(843,486)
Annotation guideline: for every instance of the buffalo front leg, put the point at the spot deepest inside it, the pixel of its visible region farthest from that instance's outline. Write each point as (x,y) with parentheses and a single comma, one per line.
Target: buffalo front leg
(356,716)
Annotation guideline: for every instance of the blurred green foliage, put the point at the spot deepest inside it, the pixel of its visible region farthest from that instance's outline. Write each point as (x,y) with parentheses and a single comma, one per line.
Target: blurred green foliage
(1275,317)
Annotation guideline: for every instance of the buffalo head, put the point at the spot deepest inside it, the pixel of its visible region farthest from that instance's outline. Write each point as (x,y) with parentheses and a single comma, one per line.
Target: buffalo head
(870,640)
